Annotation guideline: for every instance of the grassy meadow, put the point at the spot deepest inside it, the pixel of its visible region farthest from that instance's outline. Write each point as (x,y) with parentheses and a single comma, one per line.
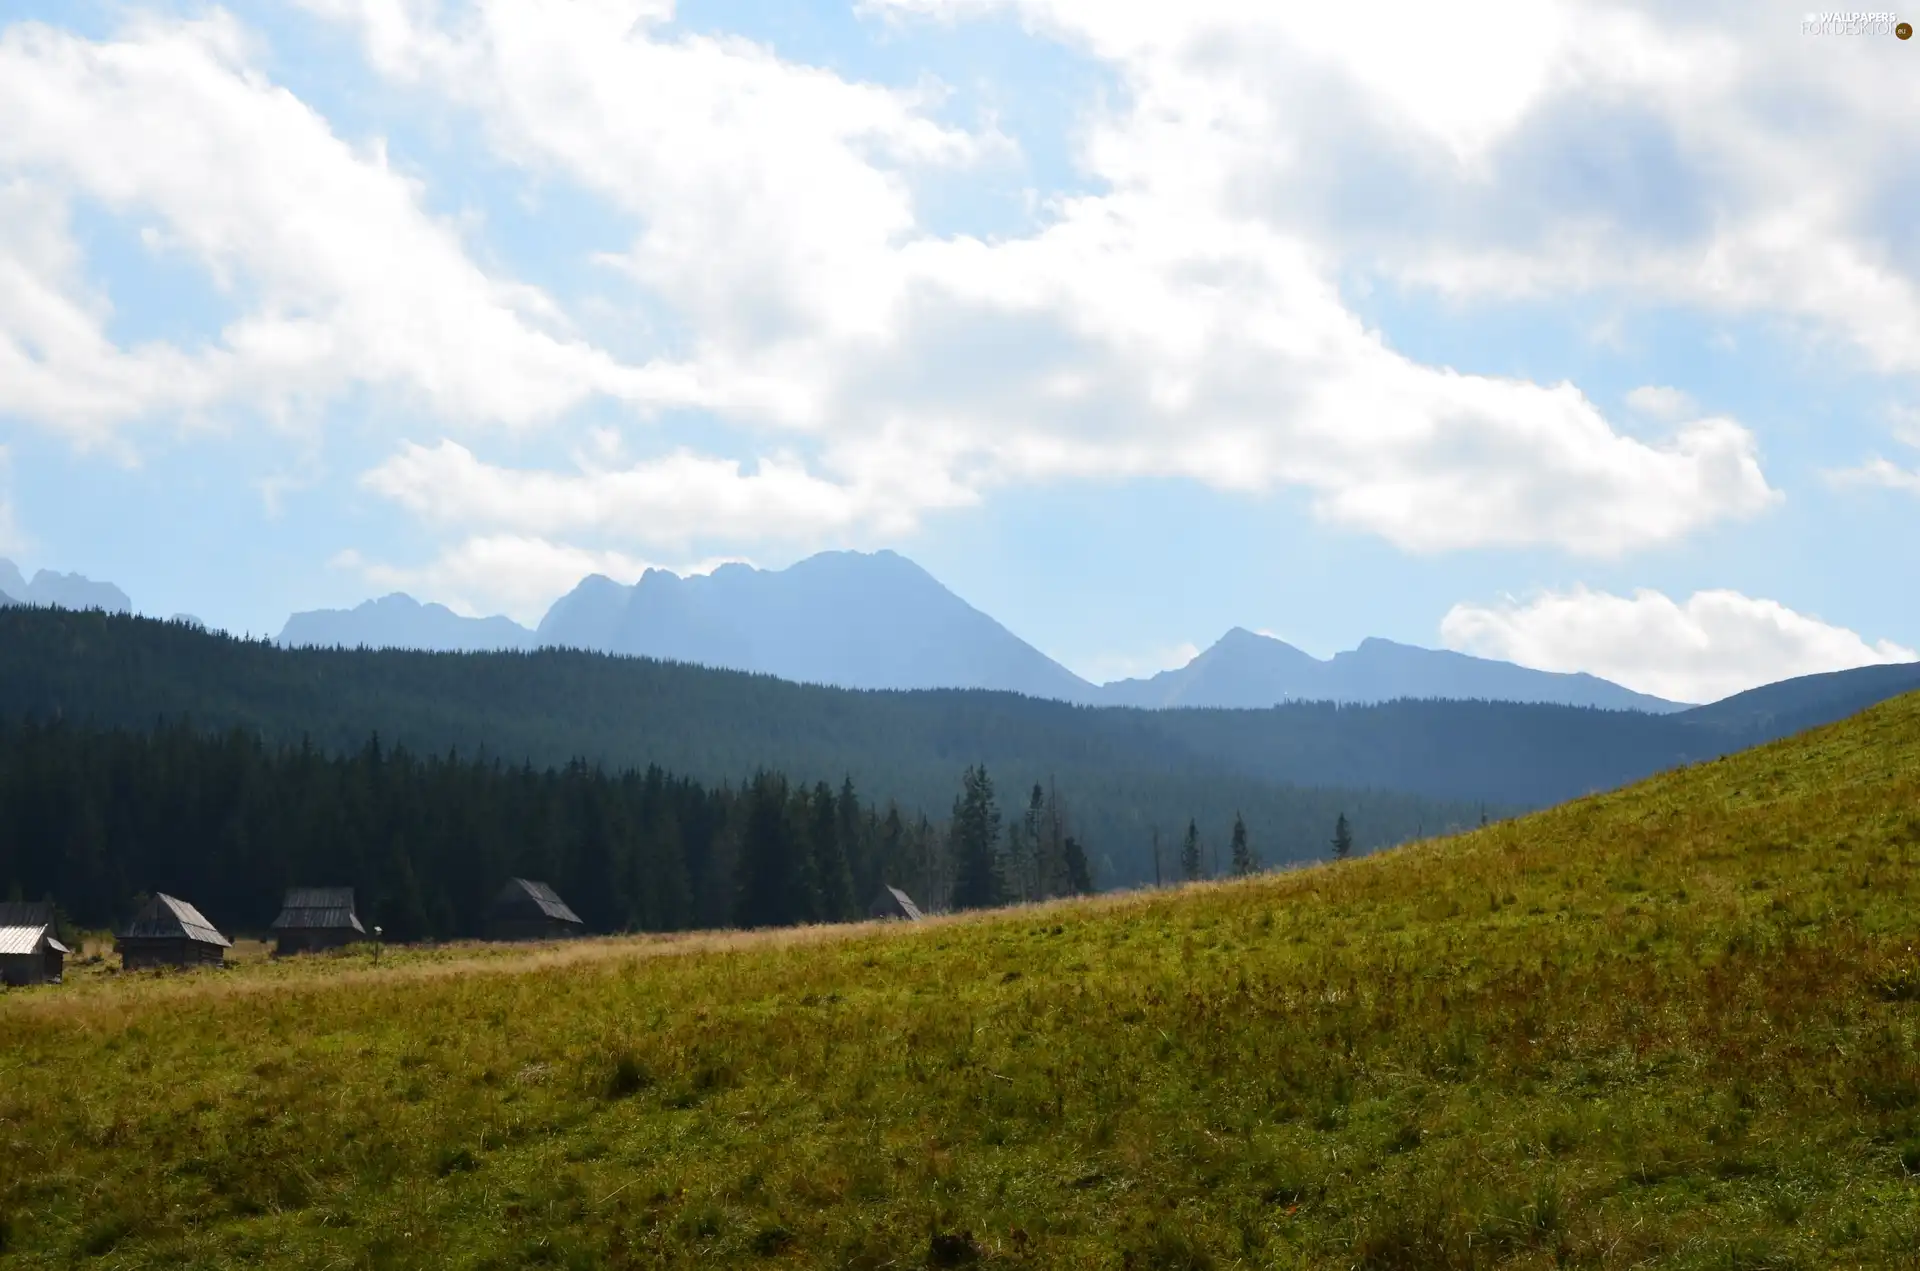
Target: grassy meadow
(1677,1025)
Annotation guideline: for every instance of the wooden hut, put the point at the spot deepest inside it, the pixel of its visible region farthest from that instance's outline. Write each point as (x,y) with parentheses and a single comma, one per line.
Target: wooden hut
(891,902)
(170,932)
(29,951)
(526,910)
(313,918)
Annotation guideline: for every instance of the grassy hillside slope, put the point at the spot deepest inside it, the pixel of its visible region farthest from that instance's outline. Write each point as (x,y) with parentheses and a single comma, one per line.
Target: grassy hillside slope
(1678,1023)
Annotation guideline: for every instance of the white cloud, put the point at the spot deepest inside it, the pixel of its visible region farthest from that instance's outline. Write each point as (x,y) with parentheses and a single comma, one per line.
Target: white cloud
(1714,644)
(1878,471)
(519,576)
(1881,471)
(768,197)
(1705,156)
(1182,321)
(339,275)
(1670,404)
(671,501)
(1166,327)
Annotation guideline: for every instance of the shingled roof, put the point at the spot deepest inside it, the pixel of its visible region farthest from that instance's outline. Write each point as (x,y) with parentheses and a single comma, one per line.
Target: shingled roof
(318,909)
(523,898)
(166,918)
(23,923)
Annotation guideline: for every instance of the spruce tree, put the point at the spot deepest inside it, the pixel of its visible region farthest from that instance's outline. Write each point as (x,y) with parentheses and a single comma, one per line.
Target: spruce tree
(856,844)
(1033,835)
(1244,861)
(974,835)
(936,864)
(1342,838)
(770,888)
(1051,860)
(832,878)
(1079,873)
(1190,853)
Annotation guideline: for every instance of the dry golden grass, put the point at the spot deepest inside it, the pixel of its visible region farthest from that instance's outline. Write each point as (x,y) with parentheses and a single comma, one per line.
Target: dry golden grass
(1675,1025)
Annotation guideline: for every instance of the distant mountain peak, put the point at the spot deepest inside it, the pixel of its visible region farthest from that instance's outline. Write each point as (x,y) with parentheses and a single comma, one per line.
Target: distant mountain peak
(1247,670)
(398,621)
(61,591)
(846,618)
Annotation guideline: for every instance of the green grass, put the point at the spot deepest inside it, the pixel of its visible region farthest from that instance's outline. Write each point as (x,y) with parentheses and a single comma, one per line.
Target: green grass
(1675,1025)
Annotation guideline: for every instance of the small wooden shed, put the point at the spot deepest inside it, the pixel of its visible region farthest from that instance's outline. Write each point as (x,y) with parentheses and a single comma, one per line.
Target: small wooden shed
(170,932)
(891,902)
(526,910)
(313,918)
(29,951)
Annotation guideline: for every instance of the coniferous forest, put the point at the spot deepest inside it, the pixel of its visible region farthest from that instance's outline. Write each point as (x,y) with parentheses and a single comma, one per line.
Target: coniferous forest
(1129,776)
(98,818)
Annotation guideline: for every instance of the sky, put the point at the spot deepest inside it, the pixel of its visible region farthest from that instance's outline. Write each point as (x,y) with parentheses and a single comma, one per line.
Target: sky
(1581,335)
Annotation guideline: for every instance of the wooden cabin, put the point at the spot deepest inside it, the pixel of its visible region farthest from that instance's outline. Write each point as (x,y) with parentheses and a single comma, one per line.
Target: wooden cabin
(314,918)
(29,951)
(891,902)
(170,932)
(526,910)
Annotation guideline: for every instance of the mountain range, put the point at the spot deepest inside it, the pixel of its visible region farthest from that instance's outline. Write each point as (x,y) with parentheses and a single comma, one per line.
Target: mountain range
(61,591)
(1396,770)
(1245,669)
(401,622)
(879,621)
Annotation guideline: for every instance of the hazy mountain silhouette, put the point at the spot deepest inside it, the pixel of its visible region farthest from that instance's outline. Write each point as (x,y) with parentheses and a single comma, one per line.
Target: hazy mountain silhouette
(858,620)
(399,621)
(64,591)
(1807,701)
(843,618)
(1240,669)
(1248,670)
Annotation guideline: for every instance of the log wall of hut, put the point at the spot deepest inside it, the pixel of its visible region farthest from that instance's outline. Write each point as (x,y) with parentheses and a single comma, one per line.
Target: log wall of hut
(313,939)
(531,929)
(145,953)
(21,969)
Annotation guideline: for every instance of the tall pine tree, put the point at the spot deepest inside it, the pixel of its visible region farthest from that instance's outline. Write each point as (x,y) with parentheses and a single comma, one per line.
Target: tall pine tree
(1079,872)
(833,880)
(771,886)
(1244,861)
(1342,838)
(978,882)
(1190,852)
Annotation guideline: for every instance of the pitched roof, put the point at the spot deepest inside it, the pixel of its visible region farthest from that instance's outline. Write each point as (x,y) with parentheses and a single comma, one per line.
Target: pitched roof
(15,940)
(22,925)
(523,898)
(26,913)
(165,918)
(318,909)
(892,899)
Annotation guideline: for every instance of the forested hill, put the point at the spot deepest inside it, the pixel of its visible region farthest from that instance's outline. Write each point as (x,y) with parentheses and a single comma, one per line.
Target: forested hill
(1120,776)
(1290,769)
(94,819)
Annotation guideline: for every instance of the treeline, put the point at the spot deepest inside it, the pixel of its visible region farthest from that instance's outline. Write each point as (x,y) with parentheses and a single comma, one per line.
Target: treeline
(1133,774)
(95,819)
